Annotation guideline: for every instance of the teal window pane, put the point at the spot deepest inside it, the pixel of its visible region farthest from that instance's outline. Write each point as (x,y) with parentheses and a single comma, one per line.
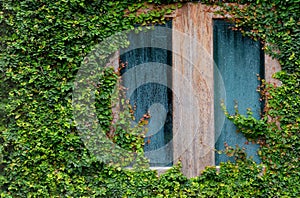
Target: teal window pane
(238,60)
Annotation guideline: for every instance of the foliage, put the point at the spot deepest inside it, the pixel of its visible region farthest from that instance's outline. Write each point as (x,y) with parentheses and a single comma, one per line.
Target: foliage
(42,46)
(44,43)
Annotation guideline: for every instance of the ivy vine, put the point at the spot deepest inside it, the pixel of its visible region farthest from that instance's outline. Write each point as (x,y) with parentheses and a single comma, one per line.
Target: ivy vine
(41,154)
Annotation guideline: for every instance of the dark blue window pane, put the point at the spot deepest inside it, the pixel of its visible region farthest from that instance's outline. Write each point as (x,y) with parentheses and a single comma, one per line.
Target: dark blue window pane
(151,96)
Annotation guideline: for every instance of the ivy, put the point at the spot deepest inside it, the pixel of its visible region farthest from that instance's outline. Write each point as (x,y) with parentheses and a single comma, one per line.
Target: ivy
(43,44)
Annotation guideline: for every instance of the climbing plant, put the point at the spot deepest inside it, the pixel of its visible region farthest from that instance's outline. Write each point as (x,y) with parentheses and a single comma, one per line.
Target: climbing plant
(43,44)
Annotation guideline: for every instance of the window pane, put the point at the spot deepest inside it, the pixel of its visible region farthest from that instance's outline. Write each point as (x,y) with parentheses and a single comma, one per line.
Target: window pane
(238,60)
(150,96)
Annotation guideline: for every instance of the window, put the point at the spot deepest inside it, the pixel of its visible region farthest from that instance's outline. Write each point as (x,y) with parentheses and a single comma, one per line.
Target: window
(150,81)
(238,61)
(194,27)
(191,112)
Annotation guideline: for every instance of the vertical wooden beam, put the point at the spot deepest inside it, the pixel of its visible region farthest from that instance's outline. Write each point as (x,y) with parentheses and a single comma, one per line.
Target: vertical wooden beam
(192,45)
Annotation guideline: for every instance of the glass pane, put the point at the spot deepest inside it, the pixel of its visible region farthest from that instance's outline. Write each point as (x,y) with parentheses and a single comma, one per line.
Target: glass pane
(149,96)
(238,60)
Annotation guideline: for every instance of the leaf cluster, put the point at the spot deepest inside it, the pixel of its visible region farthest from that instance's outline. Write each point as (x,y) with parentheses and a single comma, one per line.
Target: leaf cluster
(43,44)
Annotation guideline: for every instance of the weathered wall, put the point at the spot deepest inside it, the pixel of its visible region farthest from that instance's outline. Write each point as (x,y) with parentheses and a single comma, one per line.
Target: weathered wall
(271,66)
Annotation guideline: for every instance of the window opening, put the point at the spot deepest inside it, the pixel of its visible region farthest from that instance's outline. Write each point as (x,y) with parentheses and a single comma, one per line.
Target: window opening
(238,60)
(151,97)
